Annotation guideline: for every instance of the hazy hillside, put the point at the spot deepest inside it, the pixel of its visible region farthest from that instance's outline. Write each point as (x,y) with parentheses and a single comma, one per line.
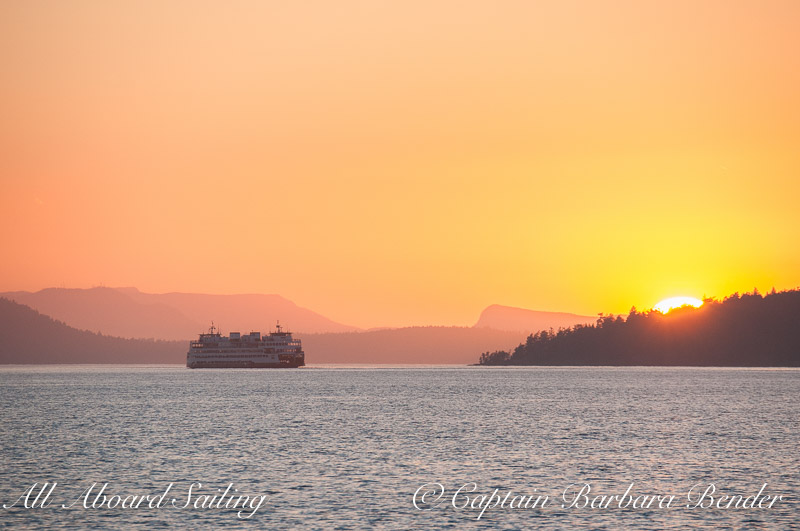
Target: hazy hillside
(522,320)
(108,311)
(127,312)
(429,344)
(26,336)
(740,331)
(244,313)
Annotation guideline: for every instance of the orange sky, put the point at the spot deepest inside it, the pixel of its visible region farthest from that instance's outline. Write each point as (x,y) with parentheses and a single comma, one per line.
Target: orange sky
(402,163)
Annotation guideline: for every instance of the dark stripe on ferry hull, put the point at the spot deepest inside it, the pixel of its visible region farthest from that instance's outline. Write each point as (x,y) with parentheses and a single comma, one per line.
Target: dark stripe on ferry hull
(244,365)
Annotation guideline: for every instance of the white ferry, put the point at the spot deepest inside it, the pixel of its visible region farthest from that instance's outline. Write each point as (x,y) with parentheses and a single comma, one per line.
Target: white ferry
(215,351)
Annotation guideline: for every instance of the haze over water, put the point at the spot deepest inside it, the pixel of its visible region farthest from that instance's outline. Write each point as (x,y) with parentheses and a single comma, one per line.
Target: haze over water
(348,447)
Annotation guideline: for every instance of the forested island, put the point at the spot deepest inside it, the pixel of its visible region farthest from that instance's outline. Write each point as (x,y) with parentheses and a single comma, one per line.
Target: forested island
(747,330)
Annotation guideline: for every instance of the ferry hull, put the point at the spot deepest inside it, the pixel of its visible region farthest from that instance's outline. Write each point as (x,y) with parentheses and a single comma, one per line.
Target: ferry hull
(243,365)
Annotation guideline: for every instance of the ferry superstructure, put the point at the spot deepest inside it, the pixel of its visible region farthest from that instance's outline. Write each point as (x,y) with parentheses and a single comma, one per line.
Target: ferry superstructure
(274,351)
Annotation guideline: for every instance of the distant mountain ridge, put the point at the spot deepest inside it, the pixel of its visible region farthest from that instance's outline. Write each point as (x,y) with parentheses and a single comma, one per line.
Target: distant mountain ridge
(521,320)
(128,312)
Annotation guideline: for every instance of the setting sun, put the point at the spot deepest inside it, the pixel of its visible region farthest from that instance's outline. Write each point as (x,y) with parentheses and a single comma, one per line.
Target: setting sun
(677,302)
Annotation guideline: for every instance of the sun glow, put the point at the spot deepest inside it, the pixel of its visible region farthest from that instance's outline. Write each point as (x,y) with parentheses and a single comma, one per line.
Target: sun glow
(677,302)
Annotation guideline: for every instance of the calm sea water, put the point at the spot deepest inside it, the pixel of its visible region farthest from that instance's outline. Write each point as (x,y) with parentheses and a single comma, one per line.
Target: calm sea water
(348,448)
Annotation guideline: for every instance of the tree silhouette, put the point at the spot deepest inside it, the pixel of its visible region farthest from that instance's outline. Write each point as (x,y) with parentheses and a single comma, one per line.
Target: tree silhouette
(750,330)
